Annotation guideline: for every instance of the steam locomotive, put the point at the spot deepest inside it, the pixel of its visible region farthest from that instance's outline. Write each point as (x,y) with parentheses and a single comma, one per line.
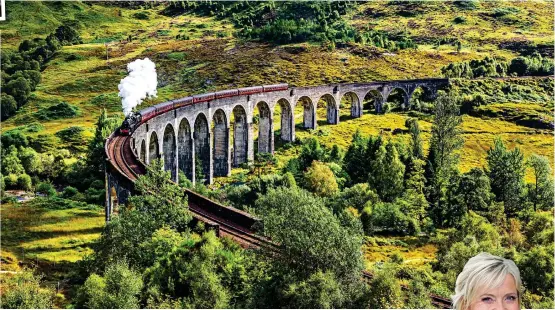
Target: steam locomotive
(133,120)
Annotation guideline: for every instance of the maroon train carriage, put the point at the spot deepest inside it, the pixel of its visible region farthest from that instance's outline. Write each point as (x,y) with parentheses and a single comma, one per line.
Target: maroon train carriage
(163,107)
(147,114)
(181,102)
(203,98)
(250,90)
(275,87)
(226,93)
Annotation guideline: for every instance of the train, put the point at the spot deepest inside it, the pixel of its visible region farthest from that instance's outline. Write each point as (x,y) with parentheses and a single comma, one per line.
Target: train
(135,119)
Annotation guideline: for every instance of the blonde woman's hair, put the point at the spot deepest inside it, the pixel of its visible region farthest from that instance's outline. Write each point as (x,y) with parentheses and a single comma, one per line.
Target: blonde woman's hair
(483,270)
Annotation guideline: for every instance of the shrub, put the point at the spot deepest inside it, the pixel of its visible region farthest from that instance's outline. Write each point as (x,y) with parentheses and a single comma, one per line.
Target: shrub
(459,20)
(46,188)
(61,110)
(142,15)
(8,106)
(11,180)
(23,291)
(24,182)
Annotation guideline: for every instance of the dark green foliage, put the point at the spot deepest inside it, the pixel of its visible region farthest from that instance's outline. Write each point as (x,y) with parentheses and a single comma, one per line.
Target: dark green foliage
(74,137)
(536,268)
(540,192)
(24,182)
(474,192)
(119,288)
(66,35)
(60,110)
(95,155)
(387,171)
(416,140)
(491,67)
(355,159)
(141,15)
(506,171)
(390,217)
(385,291)
(158,203)
(443,157)
(23,291)
(311,238)
(13,137)
(19,89)
(358,196)
(8,106)
(46,188)
(192,272)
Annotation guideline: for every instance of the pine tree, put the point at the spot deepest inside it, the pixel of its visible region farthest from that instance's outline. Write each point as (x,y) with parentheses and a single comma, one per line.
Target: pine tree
(541,191)
(506,171)
(105,125)
(354,162)
(443,157)
(416,140)
(387,173)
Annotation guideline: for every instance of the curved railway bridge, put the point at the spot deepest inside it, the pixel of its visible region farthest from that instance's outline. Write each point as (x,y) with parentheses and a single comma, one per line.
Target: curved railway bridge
(180,133)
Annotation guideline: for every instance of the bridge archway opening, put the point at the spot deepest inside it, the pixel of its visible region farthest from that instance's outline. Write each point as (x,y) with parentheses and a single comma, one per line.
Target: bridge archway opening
(373,101)
(283,120)
(169,152)
(240,135)
(153,148)
(397,100)
(202,149)
(263,120)
(185,149)
(421,99)
(330,111)
(304,113)
(142,151)
(220,143)
(350,106)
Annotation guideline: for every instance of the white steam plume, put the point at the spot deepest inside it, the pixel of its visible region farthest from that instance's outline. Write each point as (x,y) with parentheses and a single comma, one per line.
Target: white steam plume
(138,85)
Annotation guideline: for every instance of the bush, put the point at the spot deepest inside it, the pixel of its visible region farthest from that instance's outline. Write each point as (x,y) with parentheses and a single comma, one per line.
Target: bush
(8,106)
(142,15)
(61,110)
(459,20)
(23,291)
(46,189)
(24,182)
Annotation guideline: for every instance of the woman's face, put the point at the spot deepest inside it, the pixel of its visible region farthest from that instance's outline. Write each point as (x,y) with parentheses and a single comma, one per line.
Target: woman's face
(504,297)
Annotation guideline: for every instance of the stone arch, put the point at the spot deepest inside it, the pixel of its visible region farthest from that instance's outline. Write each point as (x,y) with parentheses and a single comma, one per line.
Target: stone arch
(185,148)
(264,128)
(351,99)
(373,100)
(309,112)
(202,146)
(399,98)
(169,151)
(153,147)
(240,136)
(286,119)
(332,110)
(220,143)
(142,151)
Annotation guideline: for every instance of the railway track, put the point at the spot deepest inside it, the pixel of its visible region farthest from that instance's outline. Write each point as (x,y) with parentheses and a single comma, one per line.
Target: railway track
(122,158)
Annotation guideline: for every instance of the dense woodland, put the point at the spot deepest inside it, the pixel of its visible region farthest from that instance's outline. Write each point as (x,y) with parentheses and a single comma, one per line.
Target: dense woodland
(325,204)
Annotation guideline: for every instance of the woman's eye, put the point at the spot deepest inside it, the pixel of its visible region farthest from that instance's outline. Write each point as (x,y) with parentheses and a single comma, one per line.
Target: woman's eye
(487,299)
(511,298)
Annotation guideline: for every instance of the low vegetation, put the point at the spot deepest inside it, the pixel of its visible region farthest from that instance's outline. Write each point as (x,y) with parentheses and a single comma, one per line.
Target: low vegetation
(412,193)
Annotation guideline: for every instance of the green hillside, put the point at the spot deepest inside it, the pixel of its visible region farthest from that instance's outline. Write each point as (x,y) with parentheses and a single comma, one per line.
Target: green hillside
(52,142)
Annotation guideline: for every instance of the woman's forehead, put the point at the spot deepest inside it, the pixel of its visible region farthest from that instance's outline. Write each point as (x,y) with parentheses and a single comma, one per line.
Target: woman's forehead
(507,286)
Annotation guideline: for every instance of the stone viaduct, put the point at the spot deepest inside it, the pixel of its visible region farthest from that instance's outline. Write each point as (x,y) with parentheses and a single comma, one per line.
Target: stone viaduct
(200,134)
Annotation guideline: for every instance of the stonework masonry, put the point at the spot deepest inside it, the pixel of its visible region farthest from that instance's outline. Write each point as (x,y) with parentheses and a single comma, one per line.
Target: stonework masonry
(201,133)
